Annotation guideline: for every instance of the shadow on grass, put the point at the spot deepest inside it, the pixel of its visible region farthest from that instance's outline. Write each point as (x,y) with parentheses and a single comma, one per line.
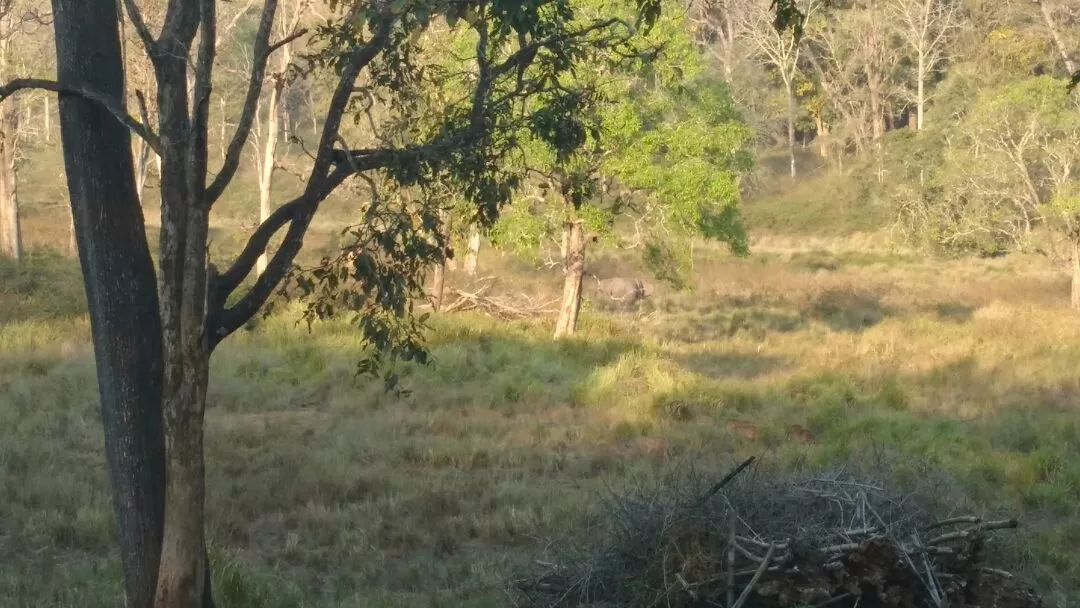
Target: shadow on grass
(841,310)
(956,312)
(849,311)
(436,493)
(44,286)
(741,366)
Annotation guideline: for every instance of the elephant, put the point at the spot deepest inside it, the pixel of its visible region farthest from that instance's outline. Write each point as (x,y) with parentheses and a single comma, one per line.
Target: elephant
(620,290)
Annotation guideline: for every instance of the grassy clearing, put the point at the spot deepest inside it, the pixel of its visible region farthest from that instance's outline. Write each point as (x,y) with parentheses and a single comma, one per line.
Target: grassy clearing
(325,491)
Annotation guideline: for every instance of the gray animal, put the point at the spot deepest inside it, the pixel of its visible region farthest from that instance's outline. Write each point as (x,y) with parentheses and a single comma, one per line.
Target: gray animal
(621,290)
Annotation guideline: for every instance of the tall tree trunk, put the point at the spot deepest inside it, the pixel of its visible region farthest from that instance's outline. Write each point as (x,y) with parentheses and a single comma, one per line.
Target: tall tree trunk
(791,125)
(877,116)
(10,228)
(182,579)
(269,158)
(575,272)
(120,285)
(11,237)
(473,255)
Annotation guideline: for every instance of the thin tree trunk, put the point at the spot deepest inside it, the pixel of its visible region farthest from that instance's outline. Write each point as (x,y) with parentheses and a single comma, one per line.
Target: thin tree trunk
(73,245)
(48,120)
(877,118)
(1076,274)
(223,133)
(473,255)
(269,158)
(11,238)
(920,99)
(438,282)
(791,126)
(575,272)
(10,228)
(273,133)
(438,278)
(1055,34)
(142,166)
(822,129)
(120,285)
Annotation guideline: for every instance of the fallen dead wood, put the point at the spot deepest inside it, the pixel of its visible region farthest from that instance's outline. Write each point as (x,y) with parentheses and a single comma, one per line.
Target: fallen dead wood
(505,307)
(835,541)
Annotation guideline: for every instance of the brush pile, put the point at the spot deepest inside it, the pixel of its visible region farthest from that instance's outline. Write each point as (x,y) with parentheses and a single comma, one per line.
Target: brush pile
(828,541)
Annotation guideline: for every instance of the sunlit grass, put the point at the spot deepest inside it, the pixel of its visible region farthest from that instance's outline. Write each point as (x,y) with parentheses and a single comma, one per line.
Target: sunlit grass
(326,491)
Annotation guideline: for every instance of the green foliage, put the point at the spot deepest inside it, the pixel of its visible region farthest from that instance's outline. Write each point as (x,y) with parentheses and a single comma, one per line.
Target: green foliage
(665,139)
(1010,168)
(458,127)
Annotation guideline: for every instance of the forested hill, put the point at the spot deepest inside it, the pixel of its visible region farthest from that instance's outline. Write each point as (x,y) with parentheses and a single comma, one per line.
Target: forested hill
(947,119)
(945,123)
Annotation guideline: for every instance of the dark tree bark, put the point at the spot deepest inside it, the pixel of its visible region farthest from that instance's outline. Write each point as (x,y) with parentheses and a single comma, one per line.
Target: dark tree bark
(120,284)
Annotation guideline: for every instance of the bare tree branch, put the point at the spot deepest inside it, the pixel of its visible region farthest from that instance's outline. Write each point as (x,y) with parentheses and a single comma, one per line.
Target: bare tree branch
(361,57)
(260,56)
(287,40)
(296,214)
(137,21)
(200,124)
(113,106)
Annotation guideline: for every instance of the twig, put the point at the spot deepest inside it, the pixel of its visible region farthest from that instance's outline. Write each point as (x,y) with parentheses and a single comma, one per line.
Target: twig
(963,519)
(968,533)
(727,478)
(686,587)
(731,562)
(932,585)
(757,576)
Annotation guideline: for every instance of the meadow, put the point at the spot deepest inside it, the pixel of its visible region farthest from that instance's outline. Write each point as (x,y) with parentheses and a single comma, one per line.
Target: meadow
(324,490)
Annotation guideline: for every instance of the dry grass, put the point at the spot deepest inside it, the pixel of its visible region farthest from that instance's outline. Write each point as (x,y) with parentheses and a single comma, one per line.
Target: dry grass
(326,492)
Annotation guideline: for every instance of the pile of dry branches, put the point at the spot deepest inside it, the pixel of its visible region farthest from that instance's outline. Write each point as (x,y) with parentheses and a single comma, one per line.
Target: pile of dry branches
(505,307)
(832,540)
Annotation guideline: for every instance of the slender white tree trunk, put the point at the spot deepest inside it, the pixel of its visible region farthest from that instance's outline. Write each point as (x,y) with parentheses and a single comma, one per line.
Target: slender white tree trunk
(920,100)
(10,227)
(269,159)
(575,272)
(1076,274)
(791,125)
(473,254)
(48,120)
